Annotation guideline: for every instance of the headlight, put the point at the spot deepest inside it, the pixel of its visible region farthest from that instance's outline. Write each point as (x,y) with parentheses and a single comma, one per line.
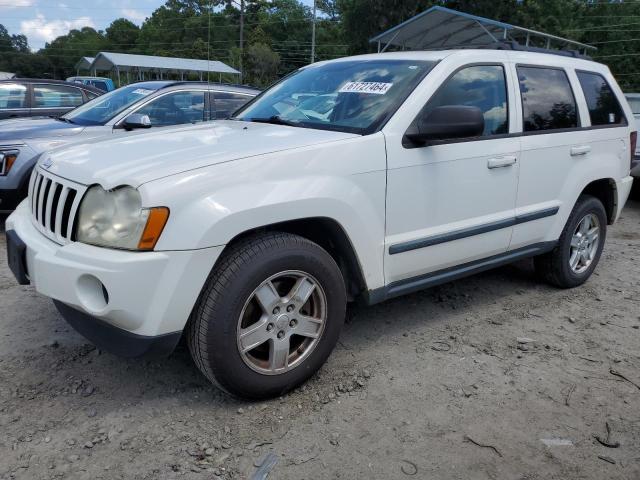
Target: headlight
(116,219)
(7,159)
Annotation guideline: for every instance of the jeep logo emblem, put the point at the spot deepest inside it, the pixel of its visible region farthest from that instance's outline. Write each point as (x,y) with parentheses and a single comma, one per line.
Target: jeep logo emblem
(47,163)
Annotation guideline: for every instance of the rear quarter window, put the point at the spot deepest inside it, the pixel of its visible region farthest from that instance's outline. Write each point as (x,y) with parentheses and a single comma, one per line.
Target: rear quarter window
(604,108)
(548,102)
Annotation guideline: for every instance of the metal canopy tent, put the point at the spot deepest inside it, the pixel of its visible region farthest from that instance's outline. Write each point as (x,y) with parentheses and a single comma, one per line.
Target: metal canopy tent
(142,64)
(84,64)
(440,27)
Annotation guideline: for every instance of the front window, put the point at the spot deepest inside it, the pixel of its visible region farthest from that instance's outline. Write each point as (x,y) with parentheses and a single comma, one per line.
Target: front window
(102,109)
(355,96)
(482,86)
(175,108)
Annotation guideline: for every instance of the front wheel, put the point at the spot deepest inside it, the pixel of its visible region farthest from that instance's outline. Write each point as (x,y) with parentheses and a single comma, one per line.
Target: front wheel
(269,315)
(579,248)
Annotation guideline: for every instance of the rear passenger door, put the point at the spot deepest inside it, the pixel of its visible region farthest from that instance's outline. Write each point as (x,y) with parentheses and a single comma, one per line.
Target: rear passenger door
(14,100)
(51,100)
(561,148)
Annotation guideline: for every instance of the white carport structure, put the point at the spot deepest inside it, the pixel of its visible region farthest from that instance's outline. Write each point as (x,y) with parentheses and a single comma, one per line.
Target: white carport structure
(442,28)
(148,66)
(84,64)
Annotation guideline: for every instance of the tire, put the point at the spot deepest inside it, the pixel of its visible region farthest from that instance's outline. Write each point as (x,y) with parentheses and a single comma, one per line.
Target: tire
(265,270)
(555,267)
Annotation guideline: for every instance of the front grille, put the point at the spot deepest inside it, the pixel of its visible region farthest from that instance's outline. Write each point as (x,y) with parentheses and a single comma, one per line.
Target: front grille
(54,204)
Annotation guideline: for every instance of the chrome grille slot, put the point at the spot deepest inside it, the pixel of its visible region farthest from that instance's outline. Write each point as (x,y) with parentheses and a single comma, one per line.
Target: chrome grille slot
(54,204)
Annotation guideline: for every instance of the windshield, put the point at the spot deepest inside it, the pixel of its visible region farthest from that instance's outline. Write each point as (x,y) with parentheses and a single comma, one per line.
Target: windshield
(102,109)
(354,96)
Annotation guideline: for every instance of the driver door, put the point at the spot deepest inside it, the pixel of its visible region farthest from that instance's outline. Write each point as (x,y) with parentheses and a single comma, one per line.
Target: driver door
(453,202)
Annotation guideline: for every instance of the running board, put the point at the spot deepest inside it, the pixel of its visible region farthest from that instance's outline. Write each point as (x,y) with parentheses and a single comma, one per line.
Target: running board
(439,277)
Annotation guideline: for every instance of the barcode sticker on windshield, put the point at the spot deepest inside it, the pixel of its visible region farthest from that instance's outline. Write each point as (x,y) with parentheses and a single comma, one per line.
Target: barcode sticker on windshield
(377,88)
(142,91)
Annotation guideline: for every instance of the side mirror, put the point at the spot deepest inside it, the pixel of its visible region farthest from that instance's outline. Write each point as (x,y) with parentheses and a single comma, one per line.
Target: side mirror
(136,120)
(447,122)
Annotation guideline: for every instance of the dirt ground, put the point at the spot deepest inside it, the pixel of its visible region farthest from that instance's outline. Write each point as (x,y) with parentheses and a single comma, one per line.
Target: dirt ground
(492,377)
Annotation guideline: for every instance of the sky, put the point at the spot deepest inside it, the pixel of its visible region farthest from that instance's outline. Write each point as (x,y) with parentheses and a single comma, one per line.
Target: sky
(43,20)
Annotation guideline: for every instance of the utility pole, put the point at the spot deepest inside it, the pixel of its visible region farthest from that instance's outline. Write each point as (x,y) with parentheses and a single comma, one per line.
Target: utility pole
(313,34)
(241,38)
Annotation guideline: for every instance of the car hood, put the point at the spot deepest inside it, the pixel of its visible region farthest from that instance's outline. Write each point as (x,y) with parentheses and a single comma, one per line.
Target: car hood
(140,158)
(24,128)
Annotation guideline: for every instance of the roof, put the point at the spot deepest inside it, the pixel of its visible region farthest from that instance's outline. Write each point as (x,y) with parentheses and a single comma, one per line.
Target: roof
(128,61)
(84,63)
(162,84)
(53,82)
(443,28)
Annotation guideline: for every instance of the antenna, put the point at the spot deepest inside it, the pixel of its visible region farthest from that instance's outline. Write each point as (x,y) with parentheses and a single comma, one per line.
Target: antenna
(209,43)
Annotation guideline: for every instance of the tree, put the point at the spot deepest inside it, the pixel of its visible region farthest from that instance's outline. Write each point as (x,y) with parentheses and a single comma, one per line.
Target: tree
(262,65)
(122,35)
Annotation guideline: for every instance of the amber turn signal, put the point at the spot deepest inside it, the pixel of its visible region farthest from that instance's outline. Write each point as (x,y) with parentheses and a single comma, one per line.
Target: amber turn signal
(9,160)
(156,221)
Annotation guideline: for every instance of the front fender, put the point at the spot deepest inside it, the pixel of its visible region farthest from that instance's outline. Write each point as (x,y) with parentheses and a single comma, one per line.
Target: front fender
(344,181)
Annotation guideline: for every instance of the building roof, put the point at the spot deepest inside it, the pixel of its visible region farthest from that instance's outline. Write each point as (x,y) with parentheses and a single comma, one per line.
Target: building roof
(442,28)
(129,62)
(84,63)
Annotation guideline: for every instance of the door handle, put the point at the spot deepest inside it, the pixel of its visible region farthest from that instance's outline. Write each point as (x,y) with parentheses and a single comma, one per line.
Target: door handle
(579,151)
(500,162)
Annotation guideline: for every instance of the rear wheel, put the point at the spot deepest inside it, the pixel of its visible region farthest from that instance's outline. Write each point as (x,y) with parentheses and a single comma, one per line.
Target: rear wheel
(269,315)
(579,248)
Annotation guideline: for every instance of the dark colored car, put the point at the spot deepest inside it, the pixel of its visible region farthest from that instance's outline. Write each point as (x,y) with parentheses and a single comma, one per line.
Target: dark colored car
(144,105)
(27,97)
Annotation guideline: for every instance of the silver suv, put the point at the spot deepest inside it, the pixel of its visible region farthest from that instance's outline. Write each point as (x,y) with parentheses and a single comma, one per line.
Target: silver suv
(134,107)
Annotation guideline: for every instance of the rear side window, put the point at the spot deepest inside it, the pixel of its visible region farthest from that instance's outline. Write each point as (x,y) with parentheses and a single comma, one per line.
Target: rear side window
(56,96)
(547,99)
(481,86)
(226,103)
(604,108)
(99,84)
(13,95)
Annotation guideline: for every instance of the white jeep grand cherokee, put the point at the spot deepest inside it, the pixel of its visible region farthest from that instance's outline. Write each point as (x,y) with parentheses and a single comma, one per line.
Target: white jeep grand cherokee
(361,178)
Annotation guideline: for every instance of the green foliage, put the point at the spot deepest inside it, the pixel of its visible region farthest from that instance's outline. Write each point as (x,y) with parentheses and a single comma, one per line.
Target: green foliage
(277,33)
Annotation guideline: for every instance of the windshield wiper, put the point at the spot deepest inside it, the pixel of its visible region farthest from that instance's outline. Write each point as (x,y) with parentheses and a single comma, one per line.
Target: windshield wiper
(66,120)
(275,120)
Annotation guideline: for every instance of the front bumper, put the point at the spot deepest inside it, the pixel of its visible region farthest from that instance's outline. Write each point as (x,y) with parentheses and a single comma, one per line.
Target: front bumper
(145,295)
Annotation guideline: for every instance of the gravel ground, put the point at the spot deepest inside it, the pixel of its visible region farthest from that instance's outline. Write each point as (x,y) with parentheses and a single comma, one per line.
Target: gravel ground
(492,377)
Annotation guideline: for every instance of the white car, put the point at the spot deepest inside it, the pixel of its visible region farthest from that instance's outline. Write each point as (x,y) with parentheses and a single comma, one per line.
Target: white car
(250,235)
(634,103)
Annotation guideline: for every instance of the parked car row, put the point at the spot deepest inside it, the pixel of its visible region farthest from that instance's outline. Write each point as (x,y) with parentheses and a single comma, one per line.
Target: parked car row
(31,97)
(634,103)
(103,83)
(137,106)
(356,179)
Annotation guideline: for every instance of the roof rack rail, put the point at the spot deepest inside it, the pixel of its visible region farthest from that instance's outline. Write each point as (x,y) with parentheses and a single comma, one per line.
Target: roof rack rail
(442,28)
(513,45)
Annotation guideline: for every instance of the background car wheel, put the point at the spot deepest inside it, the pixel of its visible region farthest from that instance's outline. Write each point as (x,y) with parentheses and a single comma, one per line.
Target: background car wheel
(269,315)
(579,248)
